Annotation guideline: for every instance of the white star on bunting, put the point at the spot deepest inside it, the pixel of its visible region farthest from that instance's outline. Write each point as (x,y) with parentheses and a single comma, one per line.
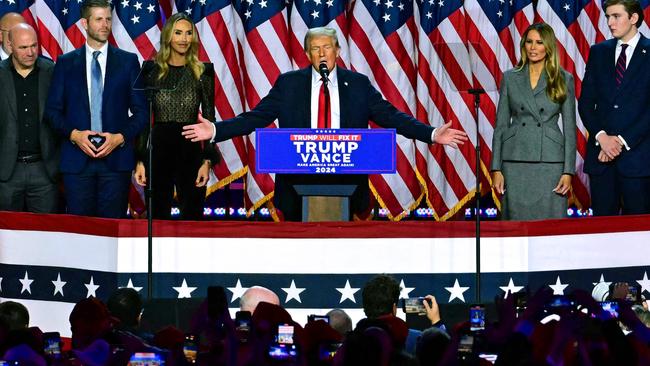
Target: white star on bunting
(293,292)
(237,291)
(456,292)
(130,285)
(558,287)
(511,288)
(601,280)
(644,282)
(27,283)
(404,292)
(347,292)
(184,291)
(58,285)
(91,287)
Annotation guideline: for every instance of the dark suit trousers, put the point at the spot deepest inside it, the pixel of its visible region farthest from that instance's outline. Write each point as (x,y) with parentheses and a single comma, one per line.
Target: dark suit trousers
(612,193)
(29,189)
(97,191)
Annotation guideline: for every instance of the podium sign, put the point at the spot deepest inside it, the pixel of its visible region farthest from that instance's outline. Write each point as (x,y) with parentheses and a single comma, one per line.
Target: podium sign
(317,151)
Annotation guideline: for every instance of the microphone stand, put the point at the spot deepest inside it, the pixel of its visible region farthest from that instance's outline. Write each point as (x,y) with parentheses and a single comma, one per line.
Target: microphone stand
(150,91)
(148,195)
(324,73)
(477,194)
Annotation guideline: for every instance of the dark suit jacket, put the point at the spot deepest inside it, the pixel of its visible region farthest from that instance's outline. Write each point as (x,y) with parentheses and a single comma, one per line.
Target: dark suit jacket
(68,108)
(289,102)
(623,111)
(8,124)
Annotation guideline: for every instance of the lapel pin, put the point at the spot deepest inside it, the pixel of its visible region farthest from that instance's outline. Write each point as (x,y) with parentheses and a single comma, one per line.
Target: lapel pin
(643,50)
(346,83)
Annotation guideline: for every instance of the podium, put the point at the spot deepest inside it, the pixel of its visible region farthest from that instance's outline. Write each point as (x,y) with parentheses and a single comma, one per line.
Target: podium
(327,159)
(325,202)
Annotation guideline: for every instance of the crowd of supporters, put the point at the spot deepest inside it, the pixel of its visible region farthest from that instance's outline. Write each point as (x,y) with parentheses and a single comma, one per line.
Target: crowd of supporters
(542,329)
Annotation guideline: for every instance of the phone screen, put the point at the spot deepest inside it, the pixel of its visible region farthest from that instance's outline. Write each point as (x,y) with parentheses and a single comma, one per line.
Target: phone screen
(284,348)
(476,317)
(285,334)
(414,305)
(466,344)
(611,307)
(242,325)
(190,348)
(146,359)
(279,351)
(52,344)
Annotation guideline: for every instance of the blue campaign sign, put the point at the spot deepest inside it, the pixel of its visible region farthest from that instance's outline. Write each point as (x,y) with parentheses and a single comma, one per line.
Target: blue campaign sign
(307,151)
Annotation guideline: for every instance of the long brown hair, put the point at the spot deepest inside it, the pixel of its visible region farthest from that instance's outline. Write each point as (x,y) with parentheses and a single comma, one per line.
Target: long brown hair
(164,54)
(556,88)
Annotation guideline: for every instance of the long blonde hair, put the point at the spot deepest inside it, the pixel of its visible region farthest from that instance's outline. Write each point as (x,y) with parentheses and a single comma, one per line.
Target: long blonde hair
(164,54)
(556,88)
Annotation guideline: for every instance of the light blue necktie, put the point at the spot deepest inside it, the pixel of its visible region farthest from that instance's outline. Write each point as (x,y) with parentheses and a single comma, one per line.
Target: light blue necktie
(96,90)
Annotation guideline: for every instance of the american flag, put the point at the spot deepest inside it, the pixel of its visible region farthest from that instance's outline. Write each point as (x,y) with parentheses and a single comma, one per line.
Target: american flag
(494,31)
(382,46)
(318,13)
(443,77)
(263,37)
(216,24)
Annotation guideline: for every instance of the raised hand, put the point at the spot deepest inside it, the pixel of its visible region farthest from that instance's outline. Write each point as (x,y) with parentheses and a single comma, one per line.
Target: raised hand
(201,131)
(446,135)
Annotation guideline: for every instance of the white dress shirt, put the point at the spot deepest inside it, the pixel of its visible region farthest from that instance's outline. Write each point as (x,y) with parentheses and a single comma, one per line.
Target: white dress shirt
(335,107)
(631,45)
(102,65)
(3,54)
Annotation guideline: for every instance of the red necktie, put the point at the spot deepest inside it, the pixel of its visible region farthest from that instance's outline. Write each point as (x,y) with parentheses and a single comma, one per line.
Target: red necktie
(324,105)
(620,65)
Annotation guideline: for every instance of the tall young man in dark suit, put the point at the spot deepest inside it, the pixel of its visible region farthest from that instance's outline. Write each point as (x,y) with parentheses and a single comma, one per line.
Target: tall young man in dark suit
(28,148)
(615,108)
(90,100)
(294,102)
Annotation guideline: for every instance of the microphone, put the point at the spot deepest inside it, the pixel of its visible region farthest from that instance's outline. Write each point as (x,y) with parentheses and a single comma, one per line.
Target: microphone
(323,70)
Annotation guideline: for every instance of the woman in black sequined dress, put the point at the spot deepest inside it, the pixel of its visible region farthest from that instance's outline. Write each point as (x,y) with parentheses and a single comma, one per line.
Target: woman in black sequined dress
(186,85)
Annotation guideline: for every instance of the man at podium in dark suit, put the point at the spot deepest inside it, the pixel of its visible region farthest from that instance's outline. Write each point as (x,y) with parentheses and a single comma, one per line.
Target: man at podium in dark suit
(297,100)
